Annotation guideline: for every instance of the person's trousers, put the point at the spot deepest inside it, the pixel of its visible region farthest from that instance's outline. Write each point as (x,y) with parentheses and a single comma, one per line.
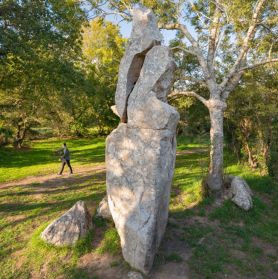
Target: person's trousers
(63,166)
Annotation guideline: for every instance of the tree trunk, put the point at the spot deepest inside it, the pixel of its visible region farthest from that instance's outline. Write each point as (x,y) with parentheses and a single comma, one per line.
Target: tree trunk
(252,163)
(20,136)
(215,177)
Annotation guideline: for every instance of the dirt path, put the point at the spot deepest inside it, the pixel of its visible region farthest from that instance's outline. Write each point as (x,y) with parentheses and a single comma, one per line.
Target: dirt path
(49,179)
(113,267)
(79,171)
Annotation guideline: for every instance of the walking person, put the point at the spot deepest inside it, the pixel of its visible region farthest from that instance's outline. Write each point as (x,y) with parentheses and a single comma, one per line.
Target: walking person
(65,159)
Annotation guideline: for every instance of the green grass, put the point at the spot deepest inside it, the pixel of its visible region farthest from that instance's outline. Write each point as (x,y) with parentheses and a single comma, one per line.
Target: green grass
(110,242)
(24,209)
(173,257)
(223,240)
(40,157)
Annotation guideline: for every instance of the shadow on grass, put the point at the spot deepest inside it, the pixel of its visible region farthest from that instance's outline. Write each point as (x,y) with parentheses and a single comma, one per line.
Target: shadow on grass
(56,185)
(45,208)
(227,238)
(213,241)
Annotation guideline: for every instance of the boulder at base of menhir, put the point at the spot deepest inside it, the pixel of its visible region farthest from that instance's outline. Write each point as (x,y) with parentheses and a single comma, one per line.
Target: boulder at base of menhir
(70,227)
(241,193)
(103,209)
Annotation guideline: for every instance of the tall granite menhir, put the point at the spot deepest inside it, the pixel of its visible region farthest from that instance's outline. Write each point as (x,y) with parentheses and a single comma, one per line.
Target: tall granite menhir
(141,152)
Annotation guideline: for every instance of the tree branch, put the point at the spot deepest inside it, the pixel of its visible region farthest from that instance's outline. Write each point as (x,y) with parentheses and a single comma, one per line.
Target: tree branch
(213,34)
(231,86)
(245,47)
(189,94)
(195,46)
(105,13)
(184,50)
(237,76)
(274,60)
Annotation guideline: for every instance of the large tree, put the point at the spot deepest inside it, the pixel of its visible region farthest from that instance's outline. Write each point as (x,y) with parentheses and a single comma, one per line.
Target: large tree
(40,50)
(103,48)
(227,38)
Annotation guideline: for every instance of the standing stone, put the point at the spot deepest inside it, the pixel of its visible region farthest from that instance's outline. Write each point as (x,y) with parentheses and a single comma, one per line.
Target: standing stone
(145,34)
(70,227)
(147,104)
(140,154)
(140,166)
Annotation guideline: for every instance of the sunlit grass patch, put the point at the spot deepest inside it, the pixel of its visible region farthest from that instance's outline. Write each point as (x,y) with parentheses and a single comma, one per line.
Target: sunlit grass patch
(221,239)
(110,242)
(53,261)
(41,158)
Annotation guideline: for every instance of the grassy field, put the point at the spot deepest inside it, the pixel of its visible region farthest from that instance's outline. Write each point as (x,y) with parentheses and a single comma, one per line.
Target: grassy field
(211,242)
(40,157)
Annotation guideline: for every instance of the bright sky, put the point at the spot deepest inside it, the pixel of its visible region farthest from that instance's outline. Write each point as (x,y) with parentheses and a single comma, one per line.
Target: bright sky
(125,28)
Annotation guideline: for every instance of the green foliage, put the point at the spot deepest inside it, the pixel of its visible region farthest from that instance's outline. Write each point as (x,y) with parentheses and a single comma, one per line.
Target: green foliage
(40,46)
(272,162)
(173,257)
(218,238)
(5,135)
(56,69)
(250,118)
(83,245)
(103,47)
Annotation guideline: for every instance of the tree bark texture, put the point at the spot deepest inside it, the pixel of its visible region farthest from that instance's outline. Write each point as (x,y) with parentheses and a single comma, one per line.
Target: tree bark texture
(215,177)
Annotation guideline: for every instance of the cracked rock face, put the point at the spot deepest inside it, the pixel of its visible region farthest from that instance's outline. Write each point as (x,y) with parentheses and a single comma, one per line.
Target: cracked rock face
(141,152)
(144,35)
(147,104)
(70,227)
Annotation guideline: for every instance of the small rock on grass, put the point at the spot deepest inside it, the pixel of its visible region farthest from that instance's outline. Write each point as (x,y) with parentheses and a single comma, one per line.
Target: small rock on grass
(238,191)
(70,227)
(242,194)
(134,275)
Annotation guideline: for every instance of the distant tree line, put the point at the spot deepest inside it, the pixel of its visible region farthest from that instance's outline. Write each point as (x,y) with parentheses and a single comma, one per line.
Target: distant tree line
(58,70)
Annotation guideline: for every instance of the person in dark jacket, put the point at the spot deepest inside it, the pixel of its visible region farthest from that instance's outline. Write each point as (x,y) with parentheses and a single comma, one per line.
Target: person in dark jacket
(65,159)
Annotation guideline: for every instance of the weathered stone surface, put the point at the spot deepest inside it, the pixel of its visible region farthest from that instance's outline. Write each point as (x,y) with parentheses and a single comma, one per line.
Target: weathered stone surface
(147,104)
(144,35)
(70,227)
(134,275)
(241,193)
(103,209)
(140,166)
(141,152)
